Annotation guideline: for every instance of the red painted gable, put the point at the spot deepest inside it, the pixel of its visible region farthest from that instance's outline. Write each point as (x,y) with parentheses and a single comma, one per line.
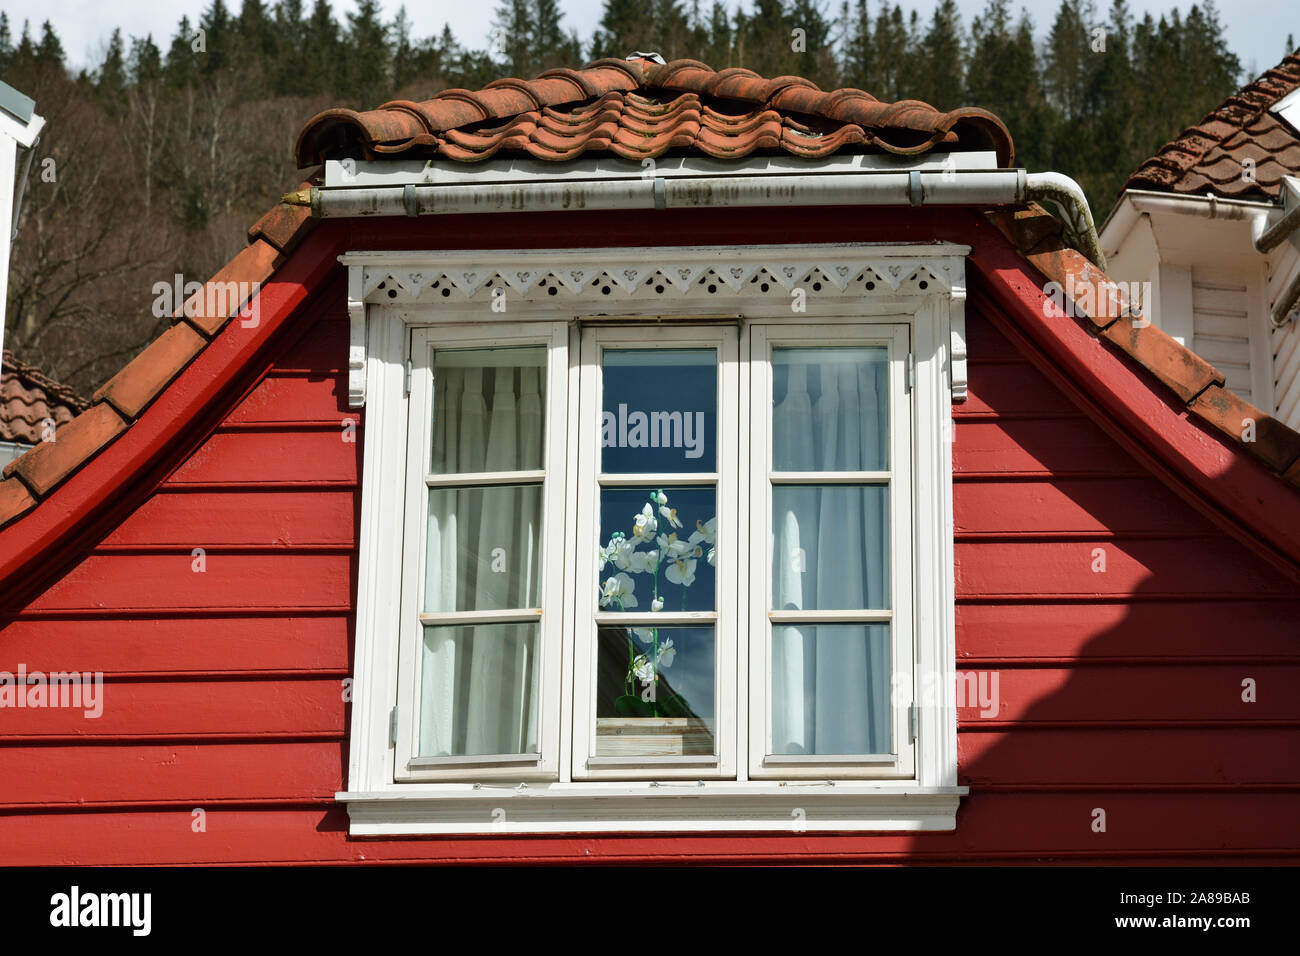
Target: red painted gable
(1118,689)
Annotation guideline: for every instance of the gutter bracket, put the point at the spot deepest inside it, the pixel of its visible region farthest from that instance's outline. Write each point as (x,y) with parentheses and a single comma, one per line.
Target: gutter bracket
(409,202)
(660,193)
(915,194)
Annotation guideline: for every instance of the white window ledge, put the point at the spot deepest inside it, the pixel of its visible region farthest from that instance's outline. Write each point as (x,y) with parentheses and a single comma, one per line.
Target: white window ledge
(677,806)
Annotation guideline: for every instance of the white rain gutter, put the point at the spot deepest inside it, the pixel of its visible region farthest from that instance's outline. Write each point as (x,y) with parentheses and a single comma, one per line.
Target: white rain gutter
(1264,237)
(930,185)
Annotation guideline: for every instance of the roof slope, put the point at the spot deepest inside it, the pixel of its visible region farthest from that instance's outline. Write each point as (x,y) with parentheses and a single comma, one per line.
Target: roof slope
(1209,156)
(639,108)
(29,398)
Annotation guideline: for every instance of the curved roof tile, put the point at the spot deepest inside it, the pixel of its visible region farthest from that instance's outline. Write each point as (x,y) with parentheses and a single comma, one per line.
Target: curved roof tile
(652,108)
(1209,155)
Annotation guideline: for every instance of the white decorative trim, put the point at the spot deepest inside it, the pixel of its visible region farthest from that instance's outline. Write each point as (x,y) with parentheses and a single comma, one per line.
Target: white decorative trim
(957,345)
(660,273)
(645,808)
(357,340)
(675,276)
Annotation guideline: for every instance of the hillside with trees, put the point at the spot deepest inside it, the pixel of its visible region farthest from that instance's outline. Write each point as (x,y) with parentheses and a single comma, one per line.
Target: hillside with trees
(155,160)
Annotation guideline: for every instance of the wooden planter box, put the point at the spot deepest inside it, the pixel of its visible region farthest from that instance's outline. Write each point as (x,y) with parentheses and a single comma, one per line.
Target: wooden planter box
(652,737)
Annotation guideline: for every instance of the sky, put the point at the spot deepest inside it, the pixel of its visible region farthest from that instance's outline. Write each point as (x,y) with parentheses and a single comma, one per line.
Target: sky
(1257,29)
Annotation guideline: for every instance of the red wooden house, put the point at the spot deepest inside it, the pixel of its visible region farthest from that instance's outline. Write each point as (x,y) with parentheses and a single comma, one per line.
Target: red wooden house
(651,463)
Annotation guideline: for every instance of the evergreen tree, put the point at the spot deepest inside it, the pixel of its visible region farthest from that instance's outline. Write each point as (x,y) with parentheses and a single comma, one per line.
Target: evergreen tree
(856,63)
(110,79)
(942,57)
(49,52)
(6,42)
(366,56)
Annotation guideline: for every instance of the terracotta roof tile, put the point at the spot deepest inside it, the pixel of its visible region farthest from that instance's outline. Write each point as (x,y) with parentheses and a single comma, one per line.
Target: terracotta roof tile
(1209,155)
(46,465)
(135,386)
(15,500)
(639,109)
(1198,385)
(222,296)
(29,398)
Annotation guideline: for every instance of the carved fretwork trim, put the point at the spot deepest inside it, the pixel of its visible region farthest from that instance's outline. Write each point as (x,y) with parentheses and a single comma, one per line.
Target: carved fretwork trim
(588,277)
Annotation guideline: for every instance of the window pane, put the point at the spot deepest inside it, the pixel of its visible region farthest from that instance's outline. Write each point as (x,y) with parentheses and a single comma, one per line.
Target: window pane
(659,411)
(487,409)
(830,689)
(479,690)
(655,691)
(484,548)
(830,547)
(657,545)
(830,409)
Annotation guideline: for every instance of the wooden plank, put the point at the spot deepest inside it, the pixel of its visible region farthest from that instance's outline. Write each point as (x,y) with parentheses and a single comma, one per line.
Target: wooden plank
(1119,506)
(1232,629)
(1129,758)
(191,709)
(1194,567)
(185,645)
(1073,447)
(38,775)
(282,518)
(1163,693)
(296,398)
(269,457)
(323,350)
(1013,390)
(169,581)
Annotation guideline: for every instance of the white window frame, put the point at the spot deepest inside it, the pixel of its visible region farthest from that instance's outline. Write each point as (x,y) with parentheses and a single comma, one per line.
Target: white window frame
(920,286)
(586,765)
(851,332)
(424,342)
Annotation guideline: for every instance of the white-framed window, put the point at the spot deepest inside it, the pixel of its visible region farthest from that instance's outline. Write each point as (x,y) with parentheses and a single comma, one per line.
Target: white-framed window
(655,539)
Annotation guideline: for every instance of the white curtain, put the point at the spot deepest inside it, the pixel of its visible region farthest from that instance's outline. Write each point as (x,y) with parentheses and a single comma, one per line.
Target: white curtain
(830,683)
(479,682)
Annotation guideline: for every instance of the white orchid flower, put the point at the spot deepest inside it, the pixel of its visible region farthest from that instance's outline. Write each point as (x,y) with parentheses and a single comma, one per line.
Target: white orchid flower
(644,634)
(657,604)
(666,653)
(642,562)
(621,552)
(618,589)
(670,515)
(644,525)
(643,669)
(706,531)
(672,547)
(681,571)
(712,557)
(660,498)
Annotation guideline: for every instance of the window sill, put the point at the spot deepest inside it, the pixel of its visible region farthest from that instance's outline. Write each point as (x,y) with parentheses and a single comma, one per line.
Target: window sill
(678,806)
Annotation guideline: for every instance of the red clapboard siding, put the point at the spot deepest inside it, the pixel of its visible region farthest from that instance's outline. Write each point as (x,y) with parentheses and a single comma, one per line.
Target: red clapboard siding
(231,580)
(295,398)
(324,349)
(265,457)
(1194,567)
(1163,692)
(154,774)
(1128,758)
(207,518)
(1126,506)
(1014,391)
(183,645)
(192,708)
(1039,446)
(1258,628)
